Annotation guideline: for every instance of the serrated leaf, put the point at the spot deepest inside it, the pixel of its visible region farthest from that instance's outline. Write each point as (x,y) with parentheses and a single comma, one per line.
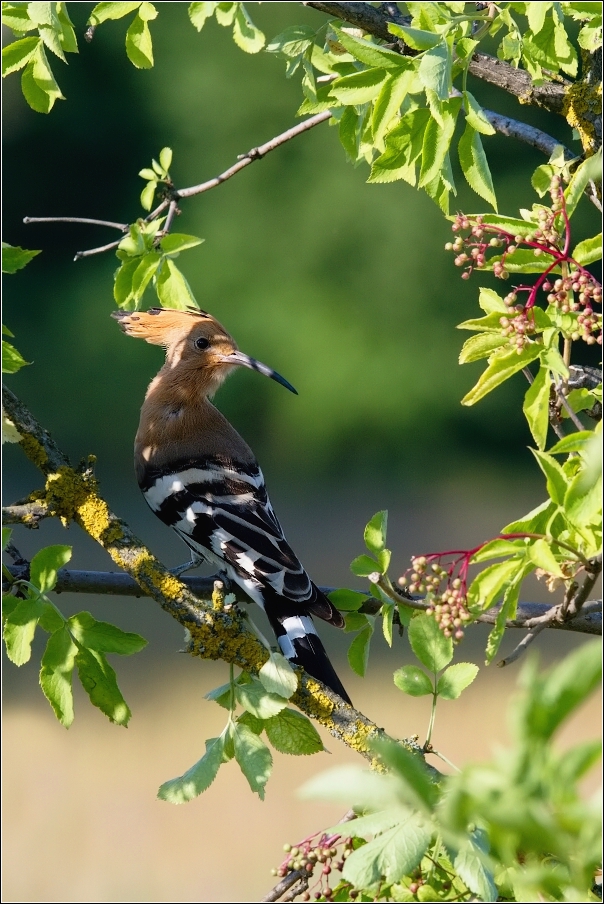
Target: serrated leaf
(355,621)
(100,683)
(375,532)
(103,636)
(148,194)
(475,166)
(429,644)
(536,406)
(403,147)
(392,855)
(495,549)
(20,628)
(541,554)
(359,88)
(278,677)
(367,52)
(588,171)
(557,482)
(58,661)
(45,565)
(104,11)
(225,13)
(574,442)
(69,42)
(588,251)
(139,44)
(583,501)
(487,586)
(475,115)
(245,34)
(12,360)
(174,243)
(196,779)
(293,733)
(16,55)
(437,140)
(293,42)
(469,861)
(220,695)
(415,37)
(122,286)
(523,260)
(541,178)
(173,290)
(253,723)
(481,346)
(254,758)
(199,12)
(412,773)
(413,681)
(435,70)
(388,102)
(387,621)
(39,87)
(15,258)
(358,652)
(346,600)
(456,679)
(16,18)
(501,368)
(507,610)
(258,701)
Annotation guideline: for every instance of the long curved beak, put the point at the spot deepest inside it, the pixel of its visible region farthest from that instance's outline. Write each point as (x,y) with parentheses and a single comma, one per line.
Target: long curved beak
(246,361)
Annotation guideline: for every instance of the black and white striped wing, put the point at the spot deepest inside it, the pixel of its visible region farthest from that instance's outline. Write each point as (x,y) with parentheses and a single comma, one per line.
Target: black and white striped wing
(222,512)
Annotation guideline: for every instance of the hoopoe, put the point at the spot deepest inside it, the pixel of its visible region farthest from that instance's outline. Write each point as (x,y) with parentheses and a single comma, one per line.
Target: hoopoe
(201,478)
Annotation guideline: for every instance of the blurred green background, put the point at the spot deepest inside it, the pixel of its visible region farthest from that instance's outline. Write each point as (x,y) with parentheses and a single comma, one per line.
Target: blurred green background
(344,288)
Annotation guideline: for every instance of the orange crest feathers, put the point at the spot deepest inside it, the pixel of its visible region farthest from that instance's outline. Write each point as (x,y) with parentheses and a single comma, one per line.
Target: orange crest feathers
(166,326)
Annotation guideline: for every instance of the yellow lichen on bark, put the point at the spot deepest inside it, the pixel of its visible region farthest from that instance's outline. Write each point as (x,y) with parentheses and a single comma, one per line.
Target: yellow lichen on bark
(583,104)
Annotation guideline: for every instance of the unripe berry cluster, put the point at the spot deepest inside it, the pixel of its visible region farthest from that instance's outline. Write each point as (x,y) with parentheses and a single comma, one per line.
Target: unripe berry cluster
(575,292)
(307,855)
(448,603)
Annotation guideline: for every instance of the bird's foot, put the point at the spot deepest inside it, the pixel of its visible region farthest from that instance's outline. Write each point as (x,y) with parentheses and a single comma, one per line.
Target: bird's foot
(194,562)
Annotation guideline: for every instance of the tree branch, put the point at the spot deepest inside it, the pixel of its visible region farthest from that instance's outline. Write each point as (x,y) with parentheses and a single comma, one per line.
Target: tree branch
(551,95)
(123,227)
(29,513)
(213,630)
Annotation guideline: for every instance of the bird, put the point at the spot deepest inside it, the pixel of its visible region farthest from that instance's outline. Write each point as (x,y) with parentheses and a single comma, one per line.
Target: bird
(201,478)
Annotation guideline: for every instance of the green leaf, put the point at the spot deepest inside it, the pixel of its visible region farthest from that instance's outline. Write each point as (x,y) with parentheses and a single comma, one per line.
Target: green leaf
(173,290)
(225,13)
(245,33)
(139,45)
(122,287)
(196,779)
(536,406)
(278,677)
(583,502)
(370,54)
(148,194)
(469,862)
(435,70)
(143,274)
(410,768)
(475,166)
(429,644)
(523,260)
(221,695)
(541,554)
(588,171)
(358,653)
(413,681)
(355,621)
(199,12)
(501,367)
(475,115)
(12,360)
(507,611)
(491,582)
(254,758)
(293,42)
(253,723)
(38,83)
(15,258)
(415,37)
(69,42)
(375,532)
(45,565)
(174,243)
(481,346)
(7,533)
(291,732)
(16,55)
(359,88)
(456,679)
(165,158)
(373,823)
(387,621)
(364,565)
(557,482)
(495,549)
(437,140)
(104,11)
(574,442)
(100,683)
(104,637)
(541,178)
(346,600)
(403,147)
(588,251)
(391,855)
(16,18)
(388,102)
(258,701)
(20,627)
(58,662)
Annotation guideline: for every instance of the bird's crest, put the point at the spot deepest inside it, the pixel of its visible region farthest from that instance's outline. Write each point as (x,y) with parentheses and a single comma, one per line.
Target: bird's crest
(165,326)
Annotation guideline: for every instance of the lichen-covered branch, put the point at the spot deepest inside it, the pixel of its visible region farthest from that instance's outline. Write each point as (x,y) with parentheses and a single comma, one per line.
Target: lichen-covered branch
(213,631)
(27,513)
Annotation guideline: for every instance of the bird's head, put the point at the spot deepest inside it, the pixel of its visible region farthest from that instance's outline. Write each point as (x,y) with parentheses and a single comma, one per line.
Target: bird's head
(197,346)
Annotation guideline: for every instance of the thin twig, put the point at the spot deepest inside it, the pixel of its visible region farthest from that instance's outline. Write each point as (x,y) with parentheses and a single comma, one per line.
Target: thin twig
(172,211)
(28,514)
(254,154)
(566,405)
(512,128)
(284,885)
(80,254)
(522,646)
(123,227)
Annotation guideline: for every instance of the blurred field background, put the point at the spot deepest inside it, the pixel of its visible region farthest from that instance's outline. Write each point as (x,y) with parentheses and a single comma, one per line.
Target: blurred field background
(344,289)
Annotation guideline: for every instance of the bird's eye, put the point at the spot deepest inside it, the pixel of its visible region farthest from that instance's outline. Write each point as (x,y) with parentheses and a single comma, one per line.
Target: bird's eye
(202,342)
